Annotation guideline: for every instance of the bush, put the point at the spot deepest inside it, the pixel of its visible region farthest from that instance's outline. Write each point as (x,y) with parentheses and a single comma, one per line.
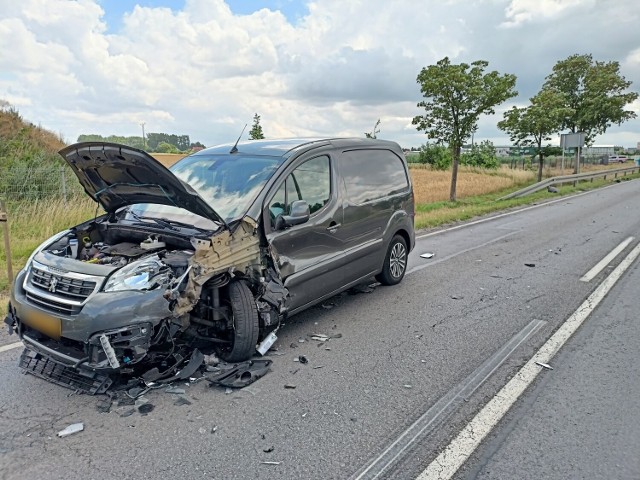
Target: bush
(481,156)
(438,156)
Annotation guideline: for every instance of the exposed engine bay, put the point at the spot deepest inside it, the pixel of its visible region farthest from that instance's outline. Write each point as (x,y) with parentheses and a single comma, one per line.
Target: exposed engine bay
(158,297)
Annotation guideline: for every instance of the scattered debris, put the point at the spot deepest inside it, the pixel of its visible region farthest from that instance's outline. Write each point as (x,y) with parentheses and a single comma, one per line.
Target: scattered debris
(529,264)
(145,409)
(328,306)
(181,401)
(301,340)
(290,386)
(302,359)
(427,255)
(214,429)
(202,431)
(241,374)
(267,343)
(228,391)
(268,450)
(319,337)
(104,406)
(71,429)
(175,390)
(545,365)
(408,386)
(270,463)
(318,366)
(128,413)
(293,345)
(457,297)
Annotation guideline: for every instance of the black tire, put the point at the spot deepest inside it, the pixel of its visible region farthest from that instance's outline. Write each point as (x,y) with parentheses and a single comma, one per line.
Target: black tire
(245,323)
(395,262)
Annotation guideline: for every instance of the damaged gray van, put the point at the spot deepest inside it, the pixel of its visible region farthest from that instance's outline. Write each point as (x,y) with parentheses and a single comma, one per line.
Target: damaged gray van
(216,250)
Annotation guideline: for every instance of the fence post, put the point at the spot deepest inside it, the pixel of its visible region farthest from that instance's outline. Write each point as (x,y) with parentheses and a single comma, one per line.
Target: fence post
(4,219)
(64,185)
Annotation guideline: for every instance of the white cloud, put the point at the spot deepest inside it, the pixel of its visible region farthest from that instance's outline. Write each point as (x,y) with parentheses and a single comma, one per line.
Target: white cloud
(204,71)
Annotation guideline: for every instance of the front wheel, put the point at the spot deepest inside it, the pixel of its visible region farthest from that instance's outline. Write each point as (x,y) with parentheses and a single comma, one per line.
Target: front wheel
(395,262)
(245,323)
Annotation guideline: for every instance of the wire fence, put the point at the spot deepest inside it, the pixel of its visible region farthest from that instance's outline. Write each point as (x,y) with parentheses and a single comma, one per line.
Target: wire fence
(30,183)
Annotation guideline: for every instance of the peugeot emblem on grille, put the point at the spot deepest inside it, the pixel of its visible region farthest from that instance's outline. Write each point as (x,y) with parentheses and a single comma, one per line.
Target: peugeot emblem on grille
(53,284)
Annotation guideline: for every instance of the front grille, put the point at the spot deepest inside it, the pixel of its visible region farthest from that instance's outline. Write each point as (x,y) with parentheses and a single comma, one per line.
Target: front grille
(59,291)
(68,288)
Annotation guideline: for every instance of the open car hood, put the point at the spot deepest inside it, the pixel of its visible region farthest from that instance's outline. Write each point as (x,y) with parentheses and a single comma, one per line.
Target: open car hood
(116,176)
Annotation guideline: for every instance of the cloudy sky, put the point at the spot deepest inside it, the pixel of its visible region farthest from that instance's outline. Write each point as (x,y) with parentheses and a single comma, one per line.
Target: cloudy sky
(309,68)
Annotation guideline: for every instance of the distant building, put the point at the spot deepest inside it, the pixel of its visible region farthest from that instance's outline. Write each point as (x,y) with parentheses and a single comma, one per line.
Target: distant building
(598,151)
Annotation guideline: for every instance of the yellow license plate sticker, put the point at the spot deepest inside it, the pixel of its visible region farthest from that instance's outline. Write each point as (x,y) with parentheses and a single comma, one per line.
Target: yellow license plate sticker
(44,323)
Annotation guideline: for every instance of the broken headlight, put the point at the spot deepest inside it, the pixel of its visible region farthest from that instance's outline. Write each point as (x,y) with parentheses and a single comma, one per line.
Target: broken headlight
(145,274)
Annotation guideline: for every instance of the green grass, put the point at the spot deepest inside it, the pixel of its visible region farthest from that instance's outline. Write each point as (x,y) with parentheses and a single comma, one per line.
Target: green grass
(435,214)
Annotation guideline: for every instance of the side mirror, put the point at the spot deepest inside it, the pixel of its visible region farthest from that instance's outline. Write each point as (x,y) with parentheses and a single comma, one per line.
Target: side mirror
(299,214)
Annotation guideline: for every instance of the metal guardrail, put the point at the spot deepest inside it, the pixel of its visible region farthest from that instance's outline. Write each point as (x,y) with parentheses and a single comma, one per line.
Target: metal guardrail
(569,179)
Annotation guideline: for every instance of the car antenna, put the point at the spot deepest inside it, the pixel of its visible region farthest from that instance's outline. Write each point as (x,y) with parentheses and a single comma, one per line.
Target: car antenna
(235,147)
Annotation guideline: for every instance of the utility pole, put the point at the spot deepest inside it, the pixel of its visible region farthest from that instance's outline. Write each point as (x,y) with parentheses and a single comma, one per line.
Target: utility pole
(144,140)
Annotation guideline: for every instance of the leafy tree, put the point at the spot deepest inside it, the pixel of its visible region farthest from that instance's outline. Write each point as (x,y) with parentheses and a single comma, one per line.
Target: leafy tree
(256,129)
(374,133)
(535,124)
(456,96)
(595,91)
(438,156)
(482,155)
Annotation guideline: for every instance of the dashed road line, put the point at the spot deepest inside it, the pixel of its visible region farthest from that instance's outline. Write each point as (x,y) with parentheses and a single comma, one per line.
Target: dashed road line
(591,274)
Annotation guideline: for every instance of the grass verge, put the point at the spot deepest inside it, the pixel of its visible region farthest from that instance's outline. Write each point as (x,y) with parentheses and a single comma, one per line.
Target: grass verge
(436,214)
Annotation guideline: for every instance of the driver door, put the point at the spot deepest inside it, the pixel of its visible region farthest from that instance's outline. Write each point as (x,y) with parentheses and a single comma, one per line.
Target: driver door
(310,255)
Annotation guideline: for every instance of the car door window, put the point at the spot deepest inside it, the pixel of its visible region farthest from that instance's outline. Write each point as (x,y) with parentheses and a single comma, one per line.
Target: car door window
(311,181)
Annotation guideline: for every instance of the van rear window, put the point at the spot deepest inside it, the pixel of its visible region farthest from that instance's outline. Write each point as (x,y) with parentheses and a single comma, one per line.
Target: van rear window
(372,174)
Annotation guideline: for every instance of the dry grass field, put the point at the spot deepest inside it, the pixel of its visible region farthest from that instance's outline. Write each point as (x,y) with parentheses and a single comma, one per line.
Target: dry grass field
(433,185)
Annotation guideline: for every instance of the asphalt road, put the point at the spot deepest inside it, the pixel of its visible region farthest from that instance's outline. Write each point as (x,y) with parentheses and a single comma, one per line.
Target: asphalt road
(402,349)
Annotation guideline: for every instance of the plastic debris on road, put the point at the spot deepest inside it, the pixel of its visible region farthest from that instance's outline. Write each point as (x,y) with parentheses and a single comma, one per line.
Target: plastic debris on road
(427,255)
(71,429)
(545,365)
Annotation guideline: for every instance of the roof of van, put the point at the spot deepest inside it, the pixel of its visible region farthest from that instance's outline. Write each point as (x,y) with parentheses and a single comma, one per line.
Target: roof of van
(284,146)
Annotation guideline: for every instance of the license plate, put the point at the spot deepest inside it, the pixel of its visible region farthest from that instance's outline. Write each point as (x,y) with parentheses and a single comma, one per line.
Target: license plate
(44,323)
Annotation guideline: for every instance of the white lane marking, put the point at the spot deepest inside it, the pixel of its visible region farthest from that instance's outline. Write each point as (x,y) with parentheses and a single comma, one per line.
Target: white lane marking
(460,449)
(488,219)
(466,250)
(11,346)
(591,274)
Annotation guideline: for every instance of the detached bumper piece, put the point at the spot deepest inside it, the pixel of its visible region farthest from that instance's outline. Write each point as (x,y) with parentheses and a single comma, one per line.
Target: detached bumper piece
(90,382)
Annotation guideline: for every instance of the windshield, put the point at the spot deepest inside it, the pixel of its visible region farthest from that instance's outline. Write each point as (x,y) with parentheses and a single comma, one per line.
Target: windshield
(228,183)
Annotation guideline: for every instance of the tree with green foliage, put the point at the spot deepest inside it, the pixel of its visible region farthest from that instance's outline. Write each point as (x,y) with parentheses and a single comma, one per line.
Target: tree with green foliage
(482,155)
(455,97)
(532,125)
(595,91)
(374,133)
(256,129)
